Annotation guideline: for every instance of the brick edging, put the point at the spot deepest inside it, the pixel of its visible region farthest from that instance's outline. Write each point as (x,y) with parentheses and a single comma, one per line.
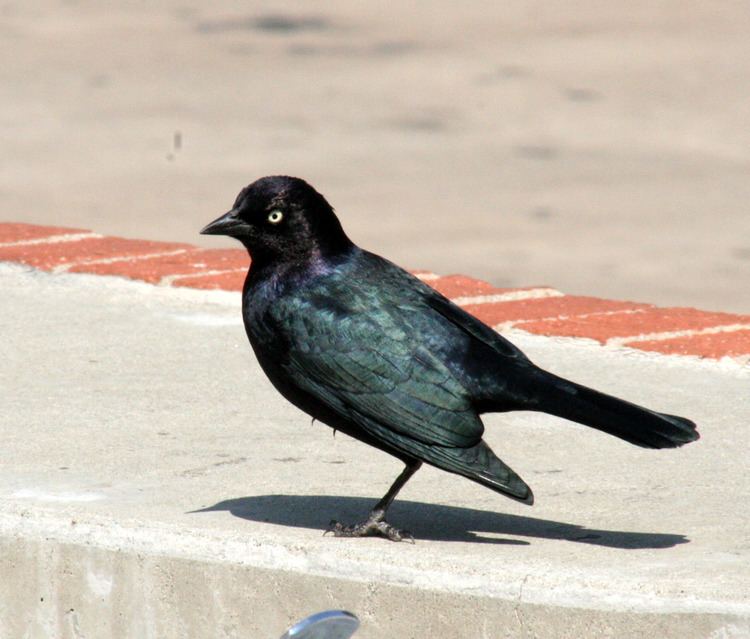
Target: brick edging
(541,310)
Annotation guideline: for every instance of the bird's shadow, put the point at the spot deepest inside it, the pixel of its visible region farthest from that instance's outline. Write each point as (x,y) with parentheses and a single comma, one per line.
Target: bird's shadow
(433,521)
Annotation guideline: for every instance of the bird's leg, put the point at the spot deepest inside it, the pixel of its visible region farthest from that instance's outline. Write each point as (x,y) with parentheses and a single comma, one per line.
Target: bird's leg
(375,525)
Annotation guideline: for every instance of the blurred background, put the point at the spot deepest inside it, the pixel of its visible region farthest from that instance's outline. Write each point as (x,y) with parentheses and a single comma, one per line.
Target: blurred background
(599,147)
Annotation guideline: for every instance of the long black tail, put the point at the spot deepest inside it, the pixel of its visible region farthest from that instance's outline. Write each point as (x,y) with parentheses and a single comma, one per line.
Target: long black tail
(634,424)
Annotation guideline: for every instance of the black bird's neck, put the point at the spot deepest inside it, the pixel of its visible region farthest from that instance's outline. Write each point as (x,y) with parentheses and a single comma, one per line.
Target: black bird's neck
(290,271)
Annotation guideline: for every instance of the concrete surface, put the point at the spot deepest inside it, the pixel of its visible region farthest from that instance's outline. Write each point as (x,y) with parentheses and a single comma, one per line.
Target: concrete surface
(153,484)
(598,147)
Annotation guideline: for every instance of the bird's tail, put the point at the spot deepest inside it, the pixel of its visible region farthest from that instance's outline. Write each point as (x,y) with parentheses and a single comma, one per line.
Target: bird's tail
(634,424)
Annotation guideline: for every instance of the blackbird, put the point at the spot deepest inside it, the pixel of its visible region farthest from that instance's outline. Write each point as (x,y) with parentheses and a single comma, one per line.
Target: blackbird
(365,347)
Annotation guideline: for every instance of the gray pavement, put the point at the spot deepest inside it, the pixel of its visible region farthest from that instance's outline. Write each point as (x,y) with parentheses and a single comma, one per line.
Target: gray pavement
(595,146)
(153,484)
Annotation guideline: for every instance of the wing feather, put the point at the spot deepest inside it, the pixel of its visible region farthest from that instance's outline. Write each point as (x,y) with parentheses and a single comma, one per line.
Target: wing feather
(375,365)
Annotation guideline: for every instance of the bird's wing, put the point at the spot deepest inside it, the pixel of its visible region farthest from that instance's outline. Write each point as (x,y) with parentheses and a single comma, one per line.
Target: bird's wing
(472,326)
(376,364)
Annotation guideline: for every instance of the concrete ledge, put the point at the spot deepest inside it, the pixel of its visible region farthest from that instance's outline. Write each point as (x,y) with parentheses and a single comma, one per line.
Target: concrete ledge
(66,578)
(153,484)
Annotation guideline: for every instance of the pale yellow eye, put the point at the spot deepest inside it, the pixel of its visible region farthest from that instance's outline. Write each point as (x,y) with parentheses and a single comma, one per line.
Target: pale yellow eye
(275,216)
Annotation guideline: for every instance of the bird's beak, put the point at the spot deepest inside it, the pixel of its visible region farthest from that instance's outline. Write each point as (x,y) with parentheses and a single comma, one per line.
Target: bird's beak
(227,224)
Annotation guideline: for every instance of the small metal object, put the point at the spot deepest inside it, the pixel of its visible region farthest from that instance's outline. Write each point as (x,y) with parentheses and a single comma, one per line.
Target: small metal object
(330,624)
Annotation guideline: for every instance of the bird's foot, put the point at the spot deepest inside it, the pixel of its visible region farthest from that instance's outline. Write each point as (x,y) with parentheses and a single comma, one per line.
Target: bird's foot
(372,527)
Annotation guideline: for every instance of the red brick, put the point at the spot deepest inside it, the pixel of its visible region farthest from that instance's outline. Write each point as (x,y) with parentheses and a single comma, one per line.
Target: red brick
(546,307)
(462,286)
(48,256)
(231,281)
(715,345)
(154,269)
(648,320)
(16,232)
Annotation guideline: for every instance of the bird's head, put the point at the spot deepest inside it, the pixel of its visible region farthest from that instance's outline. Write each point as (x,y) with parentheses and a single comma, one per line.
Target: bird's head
(280,218)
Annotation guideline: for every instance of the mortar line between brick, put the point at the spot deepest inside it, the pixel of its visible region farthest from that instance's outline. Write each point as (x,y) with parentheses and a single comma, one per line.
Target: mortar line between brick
(510,296)
(519,322)
(168,280)
(53,239)
(667,335)
(62,268)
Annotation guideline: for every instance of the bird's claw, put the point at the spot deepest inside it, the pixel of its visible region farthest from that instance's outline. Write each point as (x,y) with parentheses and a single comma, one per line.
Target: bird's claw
(369,528)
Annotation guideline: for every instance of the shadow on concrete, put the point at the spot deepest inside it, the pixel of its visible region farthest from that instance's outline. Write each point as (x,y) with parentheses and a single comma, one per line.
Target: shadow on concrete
(432,521)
